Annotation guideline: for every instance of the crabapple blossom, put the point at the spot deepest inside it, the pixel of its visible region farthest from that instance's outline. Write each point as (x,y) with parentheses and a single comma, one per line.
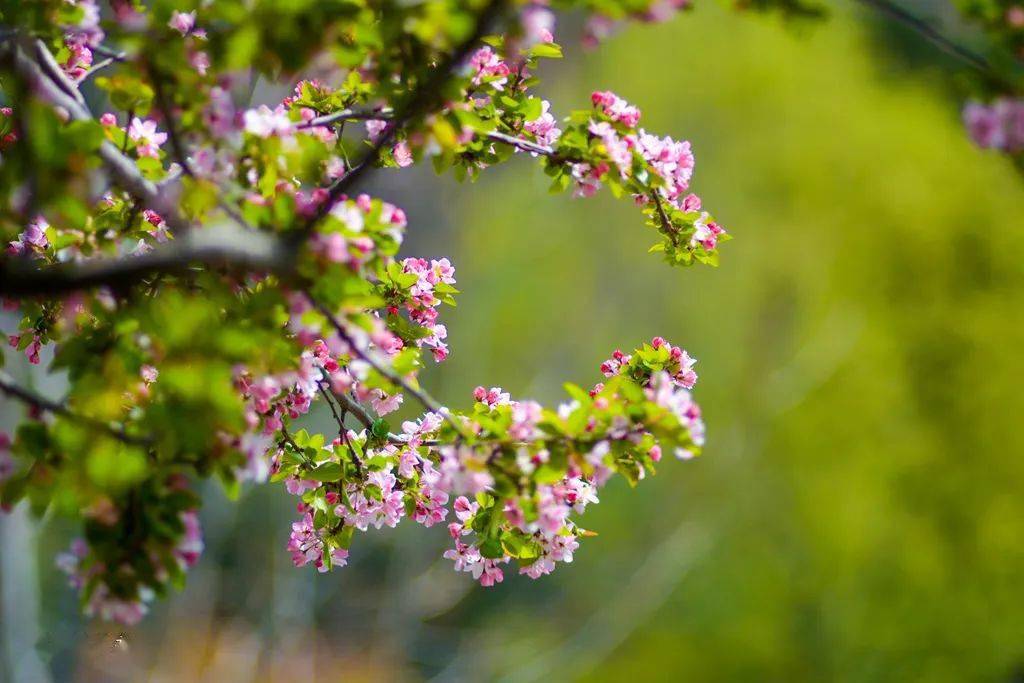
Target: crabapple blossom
(146,137)
(182,22)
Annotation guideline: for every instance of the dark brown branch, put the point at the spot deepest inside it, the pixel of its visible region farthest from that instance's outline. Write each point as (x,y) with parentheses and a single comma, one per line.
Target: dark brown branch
(14,390)
(348,406)
(231,248)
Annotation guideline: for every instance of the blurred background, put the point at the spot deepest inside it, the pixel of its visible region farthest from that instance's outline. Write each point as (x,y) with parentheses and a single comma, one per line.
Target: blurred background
(858,513)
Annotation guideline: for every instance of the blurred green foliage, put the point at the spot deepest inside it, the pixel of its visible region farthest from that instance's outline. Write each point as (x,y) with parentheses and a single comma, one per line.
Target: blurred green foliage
(857,513)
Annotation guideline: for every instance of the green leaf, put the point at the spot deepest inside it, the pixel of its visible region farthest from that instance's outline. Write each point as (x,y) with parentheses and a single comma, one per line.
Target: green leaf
(492,549)
(380,428)
(329,471)
(545,51)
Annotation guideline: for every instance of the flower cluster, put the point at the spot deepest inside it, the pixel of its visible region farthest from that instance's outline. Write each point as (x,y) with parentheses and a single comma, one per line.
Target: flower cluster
(32,240)
(127,562)
(517,474)
(606,147)
(83,33)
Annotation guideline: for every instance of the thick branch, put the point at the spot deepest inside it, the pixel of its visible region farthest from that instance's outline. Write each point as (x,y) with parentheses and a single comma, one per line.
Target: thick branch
(228,247)
(122,169)
(14,390)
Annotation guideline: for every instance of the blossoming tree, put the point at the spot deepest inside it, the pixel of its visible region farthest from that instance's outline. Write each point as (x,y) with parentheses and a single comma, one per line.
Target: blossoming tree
(204,268)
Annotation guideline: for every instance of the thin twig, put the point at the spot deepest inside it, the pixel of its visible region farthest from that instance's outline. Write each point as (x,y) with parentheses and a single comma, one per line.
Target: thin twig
(349,115)
(672,230)
(14,390)
(931,34)
(98,66)
(387,114)
(520,143)
(164,107)
(428,401)
(291,442)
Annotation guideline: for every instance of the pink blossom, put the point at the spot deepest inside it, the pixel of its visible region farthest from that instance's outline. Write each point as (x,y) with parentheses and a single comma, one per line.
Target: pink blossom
(525,417)
(402,154)
(492,397)
(146,137)
(414,432)
(200,61)
(465,509)
(79,60)
(464,556)
(191,544)
(615,108)
(544,128)
(538,24)
(264,122)
(183,22)
(488,67)
(297,487)
(706,232)
(384,404)
(996,126)
(375,127)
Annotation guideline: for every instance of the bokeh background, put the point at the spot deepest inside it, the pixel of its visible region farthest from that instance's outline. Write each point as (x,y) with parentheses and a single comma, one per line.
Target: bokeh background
(858,513)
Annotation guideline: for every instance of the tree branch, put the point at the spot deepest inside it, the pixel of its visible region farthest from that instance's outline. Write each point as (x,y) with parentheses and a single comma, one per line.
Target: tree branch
(428,401)
(347,406)
(387,114)
(164,106)
(122,169)
(931,34)
(672,230)
(228,247)
(349,115)
(14,390)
